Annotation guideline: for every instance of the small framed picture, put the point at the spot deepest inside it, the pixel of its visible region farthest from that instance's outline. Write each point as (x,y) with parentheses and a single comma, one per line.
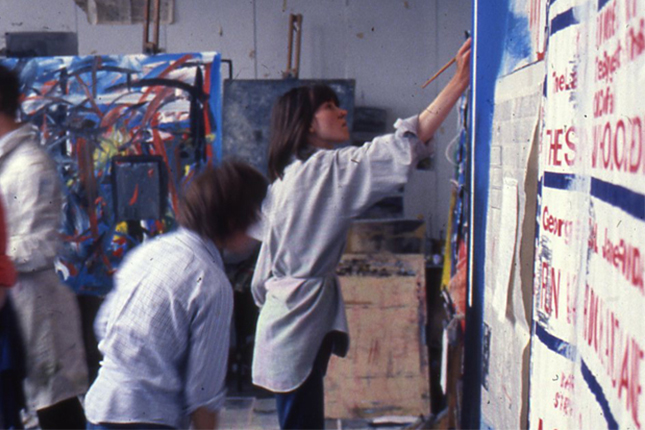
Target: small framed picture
(139,187)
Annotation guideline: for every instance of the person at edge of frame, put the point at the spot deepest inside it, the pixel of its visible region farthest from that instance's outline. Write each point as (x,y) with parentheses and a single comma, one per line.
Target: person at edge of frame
(12,372)
(47,311)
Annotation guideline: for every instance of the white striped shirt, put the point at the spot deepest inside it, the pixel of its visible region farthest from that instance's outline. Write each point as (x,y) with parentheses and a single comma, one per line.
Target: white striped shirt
(165,334)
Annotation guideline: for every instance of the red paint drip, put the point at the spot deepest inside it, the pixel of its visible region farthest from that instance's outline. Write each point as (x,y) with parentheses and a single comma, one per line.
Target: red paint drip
(135,196)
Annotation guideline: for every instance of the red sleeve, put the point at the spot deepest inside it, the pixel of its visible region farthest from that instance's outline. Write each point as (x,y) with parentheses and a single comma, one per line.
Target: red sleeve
(7,271)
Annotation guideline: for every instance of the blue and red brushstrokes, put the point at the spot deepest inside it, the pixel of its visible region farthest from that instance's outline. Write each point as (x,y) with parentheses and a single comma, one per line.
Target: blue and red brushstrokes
(92,108)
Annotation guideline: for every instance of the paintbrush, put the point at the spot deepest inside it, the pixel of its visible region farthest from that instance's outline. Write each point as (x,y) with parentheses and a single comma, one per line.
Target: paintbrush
(445,66)
(443,69)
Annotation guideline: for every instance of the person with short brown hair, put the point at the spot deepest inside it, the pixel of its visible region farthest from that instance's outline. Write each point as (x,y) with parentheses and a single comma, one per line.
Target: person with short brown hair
(164,329)
(222,202)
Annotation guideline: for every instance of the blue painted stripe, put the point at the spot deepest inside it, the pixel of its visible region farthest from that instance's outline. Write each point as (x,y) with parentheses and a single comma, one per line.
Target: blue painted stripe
(602,3)
(216,96)
(556,344)
(562,21)
(597,391)
(627,200)
(560,181)
(569,351)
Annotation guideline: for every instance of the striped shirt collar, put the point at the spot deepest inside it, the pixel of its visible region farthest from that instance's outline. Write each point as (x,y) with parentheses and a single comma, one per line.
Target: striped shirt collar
(197,240)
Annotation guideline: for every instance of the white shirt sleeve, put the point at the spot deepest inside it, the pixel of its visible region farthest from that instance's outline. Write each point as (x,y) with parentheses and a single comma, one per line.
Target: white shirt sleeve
(36,215)
(410,126)
(363,175)
(208,350)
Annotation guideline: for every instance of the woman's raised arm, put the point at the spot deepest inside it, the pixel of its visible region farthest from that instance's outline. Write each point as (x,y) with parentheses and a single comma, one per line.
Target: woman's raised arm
(433,116)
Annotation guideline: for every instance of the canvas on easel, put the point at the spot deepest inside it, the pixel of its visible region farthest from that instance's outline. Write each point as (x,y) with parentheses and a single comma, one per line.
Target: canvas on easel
(90,109)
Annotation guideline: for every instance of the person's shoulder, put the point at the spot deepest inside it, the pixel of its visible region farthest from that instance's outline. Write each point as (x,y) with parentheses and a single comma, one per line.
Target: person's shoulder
(30,152)
(160,253)
(323,162)
(183,252)
(168,246)
(318,162)
(182,265)
(204,277)
(161,263)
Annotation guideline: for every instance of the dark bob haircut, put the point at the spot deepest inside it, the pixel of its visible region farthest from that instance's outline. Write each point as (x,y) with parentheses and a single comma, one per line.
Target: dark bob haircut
(291,118)
(9,92)
(222,201)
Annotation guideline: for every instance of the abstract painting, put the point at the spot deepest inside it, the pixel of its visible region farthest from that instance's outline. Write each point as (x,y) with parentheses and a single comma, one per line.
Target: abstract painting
(93,110)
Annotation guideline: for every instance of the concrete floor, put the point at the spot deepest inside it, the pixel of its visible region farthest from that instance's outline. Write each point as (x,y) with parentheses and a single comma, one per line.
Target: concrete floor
(260,413)
(251,413)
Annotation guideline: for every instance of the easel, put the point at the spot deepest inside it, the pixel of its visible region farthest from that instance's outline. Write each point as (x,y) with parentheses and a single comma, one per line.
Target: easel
(295,26)
(151,47)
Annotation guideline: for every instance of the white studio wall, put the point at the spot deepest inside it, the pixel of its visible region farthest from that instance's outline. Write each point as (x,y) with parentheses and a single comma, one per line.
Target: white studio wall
(389,47)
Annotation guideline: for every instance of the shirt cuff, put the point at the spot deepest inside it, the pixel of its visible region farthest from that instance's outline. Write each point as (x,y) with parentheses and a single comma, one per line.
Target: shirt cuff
(213,405)
(408,128)
(407,125)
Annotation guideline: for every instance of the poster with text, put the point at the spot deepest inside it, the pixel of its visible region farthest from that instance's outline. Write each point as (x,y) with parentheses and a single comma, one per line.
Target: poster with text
(587,343)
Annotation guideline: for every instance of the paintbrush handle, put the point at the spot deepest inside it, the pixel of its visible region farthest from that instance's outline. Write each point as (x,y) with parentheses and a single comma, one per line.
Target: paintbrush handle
(448,64)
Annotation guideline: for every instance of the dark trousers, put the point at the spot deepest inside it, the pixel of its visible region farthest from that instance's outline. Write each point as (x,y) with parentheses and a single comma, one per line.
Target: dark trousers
(67,414)
(12,369)
(304,407)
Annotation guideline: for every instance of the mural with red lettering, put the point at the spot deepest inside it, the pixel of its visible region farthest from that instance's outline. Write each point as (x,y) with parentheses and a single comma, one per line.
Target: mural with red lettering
(588,341)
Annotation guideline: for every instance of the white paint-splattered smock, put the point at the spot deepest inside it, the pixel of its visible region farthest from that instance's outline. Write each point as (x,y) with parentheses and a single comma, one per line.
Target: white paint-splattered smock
(47,310)
(306,217)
